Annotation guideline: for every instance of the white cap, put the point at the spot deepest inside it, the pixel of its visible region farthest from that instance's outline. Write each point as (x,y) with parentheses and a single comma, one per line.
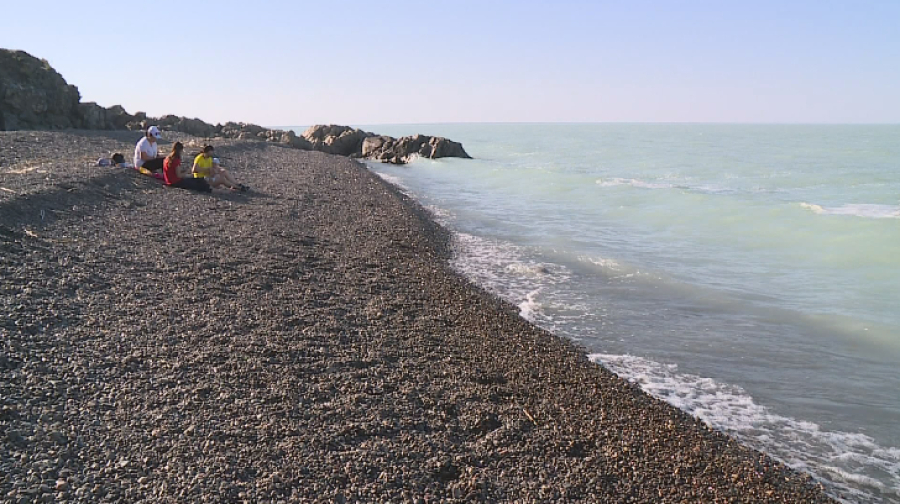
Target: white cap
(216,160)
(154,131)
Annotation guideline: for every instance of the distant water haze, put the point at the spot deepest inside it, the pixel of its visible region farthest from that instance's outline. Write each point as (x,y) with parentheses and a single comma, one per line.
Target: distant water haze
(747,274)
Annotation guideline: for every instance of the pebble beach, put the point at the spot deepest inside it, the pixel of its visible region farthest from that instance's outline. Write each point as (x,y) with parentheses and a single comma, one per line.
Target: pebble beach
(303,342)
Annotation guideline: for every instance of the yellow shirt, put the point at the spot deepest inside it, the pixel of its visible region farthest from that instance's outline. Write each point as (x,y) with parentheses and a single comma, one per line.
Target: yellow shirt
(204,166)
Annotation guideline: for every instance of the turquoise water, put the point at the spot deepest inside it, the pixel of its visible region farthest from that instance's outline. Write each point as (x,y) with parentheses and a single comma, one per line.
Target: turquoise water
(747,274)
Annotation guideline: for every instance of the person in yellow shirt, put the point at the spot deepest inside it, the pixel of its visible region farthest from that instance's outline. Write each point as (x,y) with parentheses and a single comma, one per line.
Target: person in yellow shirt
(207,167)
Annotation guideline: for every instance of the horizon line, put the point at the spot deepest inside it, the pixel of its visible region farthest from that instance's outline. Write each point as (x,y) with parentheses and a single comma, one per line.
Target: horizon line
(588,123)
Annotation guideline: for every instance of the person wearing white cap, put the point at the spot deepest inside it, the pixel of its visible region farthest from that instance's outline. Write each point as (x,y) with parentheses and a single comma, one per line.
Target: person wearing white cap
(146,152)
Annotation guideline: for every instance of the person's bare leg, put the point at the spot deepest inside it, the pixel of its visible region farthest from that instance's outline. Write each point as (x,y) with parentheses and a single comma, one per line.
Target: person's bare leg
(228,179)
(216,182)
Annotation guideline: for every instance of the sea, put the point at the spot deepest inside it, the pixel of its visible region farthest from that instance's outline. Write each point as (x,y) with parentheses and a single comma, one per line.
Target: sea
(747,274)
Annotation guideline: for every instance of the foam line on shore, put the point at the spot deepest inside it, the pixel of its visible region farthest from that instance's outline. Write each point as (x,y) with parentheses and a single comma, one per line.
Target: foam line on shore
(502,268)
(847,458)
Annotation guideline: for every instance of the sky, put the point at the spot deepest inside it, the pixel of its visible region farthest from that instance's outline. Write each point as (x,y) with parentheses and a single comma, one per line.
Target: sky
(285,63)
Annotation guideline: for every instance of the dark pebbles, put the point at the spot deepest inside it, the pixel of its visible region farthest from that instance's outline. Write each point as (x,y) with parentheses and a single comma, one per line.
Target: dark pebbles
(304,342)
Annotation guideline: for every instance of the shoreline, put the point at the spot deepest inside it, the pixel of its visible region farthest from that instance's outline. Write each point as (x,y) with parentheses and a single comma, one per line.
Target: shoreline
(320,348)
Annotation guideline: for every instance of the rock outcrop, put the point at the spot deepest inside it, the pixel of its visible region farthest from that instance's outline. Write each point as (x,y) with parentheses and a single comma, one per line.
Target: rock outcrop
(33,96)
(347,141)
(340,140)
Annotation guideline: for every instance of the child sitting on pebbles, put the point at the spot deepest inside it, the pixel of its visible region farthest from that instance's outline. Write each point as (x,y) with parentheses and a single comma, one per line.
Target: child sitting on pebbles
(177,175)
(207,167)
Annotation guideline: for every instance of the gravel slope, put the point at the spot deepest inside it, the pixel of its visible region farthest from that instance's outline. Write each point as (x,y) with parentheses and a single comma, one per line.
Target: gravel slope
(305,342)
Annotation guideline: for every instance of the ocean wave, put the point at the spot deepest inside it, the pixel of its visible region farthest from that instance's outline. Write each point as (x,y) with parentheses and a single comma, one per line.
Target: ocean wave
(612,182)
(530,307)
(509,271)
(529,269)
(643,184)
(393,180)
(497,262)
(843,460)
(604,263)
(867,210)
(441,215)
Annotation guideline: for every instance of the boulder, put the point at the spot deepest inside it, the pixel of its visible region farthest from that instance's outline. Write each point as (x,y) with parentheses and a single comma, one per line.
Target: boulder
(333,139)
(34,96)
(403,150)
(137,122)
(444,148)
(230,130)
(372,146)
(253,129)
(167,121)
(320,132)
(93,116)
(196,127)
(8,121)
(118,118)
(407,148)
(288,138)
(347,143)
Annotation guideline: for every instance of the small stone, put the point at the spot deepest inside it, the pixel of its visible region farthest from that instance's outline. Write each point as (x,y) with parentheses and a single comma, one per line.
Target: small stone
(15,437)
(59,438)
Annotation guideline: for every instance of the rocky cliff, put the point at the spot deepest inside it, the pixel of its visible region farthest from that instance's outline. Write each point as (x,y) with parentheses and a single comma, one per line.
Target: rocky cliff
(34,96)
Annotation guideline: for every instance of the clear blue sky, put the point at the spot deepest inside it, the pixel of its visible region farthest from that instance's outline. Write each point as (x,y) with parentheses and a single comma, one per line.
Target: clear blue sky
(297,62)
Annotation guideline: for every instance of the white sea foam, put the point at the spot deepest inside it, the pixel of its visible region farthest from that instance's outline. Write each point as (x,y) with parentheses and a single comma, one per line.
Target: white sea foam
(530,307)
(530,270)
(397,181)
(506,270)
(642,184)
(871,211)
(391,179)
(847,460)
(441,215)
(603,262)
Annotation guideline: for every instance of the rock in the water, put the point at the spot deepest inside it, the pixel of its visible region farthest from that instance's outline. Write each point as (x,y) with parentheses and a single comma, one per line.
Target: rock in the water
(347,141)
(444,148)
(404,150)
(372,146)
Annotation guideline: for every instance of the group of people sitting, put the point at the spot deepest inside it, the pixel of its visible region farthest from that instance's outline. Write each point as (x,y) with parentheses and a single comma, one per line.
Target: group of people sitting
(206,173)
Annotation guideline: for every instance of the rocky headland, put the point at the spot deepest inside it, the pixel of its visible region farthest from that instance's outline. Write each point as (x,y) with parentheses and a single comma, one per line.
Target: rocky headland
(34,96)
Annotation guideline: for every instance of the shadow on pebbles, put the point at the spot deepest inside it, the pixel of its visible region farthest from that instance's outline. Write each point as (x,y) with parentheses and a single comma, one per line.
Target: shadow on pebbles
(304,342)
